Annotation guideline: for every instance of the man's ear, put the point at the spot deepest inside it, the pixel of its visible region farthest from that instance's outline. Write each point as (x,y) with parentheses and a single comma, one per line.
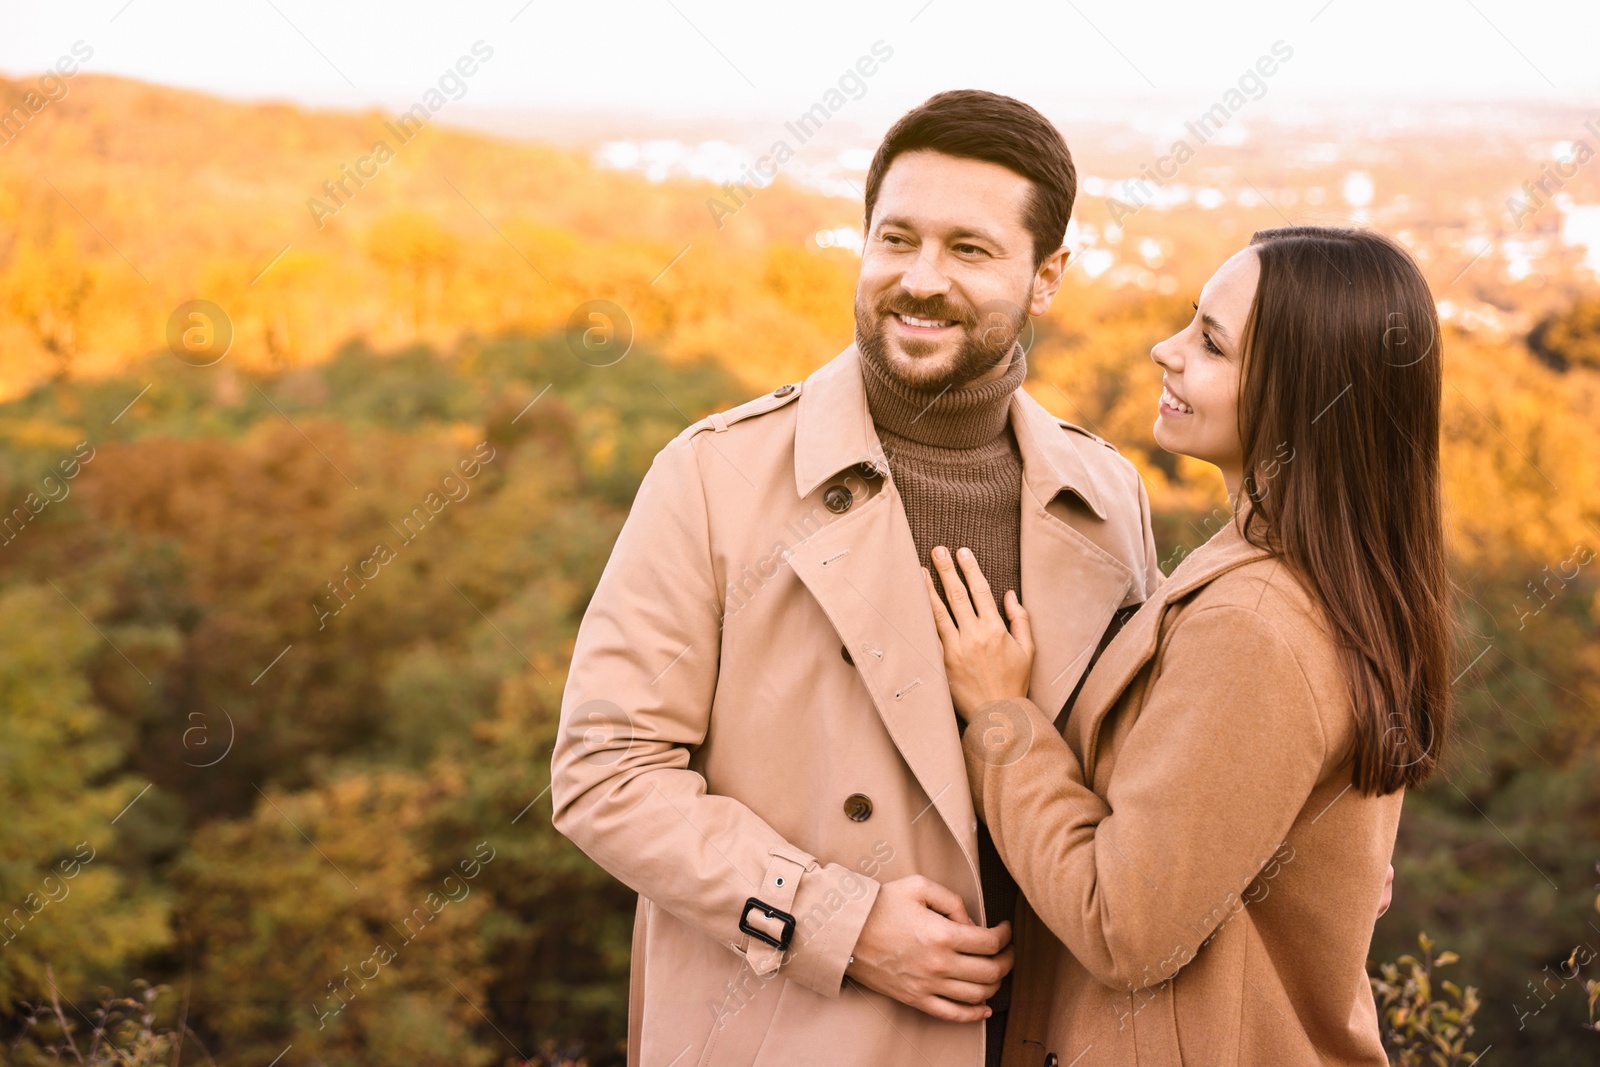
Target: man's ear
(1047,280)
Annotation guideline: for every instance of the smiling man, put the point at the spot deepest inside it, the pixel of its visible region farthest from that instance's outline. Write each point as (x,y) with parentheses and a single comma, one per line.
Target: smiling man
(757,733)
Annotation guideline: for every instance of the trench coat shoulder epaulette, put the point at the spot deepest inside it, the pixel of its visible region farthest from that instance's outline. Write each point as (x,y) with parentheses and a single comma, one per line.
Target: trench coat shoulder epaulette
(721,420)
(1075,428)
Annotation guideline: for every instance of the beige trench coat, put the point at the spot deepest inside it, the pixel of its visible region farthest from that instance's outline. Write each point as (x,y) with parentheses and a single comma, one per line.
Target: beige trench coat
(1218,837)
(757,709)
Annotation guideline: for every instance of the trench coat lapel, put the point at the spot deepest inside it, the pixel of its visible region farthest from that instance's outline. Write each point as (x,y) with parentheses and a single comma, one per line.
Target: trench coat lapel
(1070,585)
(1137,642)
(862,569)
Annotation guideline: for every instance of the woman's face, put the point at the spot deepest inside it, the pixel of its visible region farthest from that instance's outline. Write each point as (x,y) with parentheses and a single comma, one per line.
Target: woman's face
(1198,413)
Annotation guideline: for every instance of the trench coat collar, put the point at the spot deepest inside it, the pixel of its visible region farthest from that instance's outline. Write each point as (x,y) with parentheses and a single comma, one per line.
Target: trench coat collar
(1226,549)
(834,430)
(1136,643)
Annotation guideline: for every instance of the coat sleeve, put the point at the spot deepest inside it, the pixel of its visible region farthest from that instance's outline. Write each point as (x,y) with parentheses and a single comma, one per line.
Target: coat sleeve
(637,700)
(1207,783)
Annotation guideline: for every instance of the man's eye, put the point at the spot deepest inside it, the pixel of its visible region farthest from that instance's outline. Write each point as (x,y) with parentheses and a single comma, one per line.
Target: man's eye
(893,238)
(969,249)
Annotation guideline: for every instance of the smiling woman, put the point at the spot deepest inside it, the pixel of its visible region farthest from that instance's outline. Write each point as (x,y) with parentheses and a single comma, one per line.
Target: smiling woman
(1274,699)
(1198,413)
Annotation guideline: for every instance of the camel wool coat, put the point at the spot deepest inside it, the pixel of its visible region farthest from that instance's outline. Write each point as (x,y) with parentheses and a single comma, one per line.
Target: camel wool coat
(1200,875)
(757,710)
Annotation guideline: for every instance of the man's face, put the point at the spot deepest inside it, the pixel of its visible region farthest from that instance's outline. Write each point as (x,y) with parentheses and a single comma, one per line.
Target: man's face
(947,276)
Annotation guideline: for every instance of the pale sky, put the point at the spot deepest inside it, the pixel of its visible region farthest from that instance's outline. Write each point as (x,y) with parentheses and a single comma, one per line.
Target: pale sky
(690,58)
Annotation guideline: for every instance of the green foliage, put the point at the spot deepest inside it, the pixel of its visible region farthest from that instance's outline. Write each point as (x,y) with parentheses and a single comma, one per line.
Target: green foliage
(1570,338)
(122,1032)
(356,943)
(1422,1026)
(63,897)
(212,536)
(300,815)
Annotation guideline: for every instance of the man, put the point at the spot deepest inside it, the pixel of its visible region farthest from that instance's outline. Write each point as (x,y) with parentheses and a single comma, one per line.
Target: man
(757,733)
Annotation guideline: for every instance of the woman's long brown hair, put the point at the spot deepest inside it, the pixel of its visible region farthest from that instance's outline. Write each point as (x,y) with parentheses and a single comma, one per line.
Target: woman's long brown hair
(1342,365)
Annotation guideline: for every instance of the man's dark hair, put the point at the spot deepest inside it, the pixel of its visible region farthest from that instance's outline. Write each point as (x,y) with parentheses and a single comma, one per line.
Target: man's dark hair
(973,124)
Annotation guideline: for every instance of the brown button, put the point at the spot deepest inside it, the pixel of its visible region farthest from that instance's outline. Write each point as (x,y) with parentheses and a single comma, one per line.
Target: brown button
(858,806)
(867,470)
(837,498)
(783,390)
(845,652)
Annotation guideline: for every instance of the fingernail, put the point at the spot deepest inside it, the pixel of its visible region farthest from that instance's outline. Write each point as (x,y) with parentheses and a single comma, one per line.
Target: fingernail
(941,553)
(966,553)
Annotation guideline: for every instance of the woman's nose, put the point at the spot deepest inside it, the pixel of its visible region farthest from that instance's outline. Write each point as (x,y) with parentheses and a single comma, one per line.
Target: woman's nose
(1165,353)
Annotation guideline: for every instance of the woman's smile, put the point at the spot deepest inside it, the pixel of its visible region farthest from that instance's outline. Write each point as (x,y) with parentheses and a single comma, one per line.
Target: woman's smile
(1172,405)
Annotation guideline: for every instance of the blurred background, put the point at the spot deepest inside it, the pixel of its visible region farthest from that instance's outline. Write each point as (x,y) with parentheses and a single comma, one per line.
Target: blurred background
(335,340)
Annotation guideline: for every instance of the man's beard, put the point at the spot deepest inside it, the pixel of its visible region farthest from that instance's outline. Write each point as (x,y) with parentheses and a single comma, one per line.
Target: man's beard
(988,335)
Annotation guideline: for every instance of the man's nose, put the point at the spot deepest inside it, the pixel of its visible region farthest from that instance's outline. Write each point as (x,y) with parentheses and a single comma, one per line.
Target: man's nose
(924,279)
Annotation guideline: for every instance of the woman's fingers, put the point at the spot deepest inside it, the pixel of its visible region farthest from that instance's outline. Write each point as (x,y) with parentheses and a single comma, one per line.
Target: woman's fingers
(983,598)
(1021,626)
(955,590)
(941,618)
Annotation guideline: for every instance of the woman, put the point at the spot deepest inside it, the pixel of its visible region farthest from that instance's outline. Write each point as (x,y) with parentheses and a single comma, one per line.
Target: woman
(1203,843)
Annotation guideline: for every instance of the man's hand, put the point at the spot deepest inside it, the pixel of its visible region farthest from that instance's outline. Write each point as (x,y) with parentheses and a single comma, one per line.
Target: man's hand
(1388,893)
(919,947)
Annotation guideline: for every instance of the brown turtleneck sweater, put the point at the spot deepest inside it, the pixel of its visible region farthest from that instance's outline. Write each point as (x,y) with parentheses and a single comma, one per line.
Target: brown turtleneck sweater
(954,460)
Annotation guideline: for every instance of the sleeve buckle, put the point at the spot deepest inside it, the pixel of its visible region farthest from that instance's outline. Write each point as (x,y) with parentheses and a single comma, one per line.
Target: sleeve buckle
(779,943)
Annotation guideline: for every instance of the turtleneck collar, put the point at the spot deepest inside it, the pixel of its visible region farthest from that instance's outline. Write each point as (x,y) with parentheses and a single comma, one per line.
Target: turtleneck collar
(948,418)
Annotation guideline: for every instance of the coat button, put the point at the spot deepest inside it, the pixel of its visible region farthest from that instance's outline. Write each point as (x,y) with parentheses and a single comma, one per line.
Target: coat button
(858,806)
(1051,1060)
(783,390)
(845,652)
(837,498)
(866,470)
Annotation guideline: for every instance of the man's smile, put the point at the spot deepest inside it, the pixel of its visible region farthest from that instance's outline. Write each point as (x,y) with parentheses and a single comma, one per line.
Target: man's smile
(921,326)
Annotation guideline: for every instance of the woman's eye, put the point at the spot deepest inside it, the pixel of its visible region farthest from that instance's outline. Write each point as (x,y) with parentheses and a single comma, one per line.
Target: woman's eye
(1210,346)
